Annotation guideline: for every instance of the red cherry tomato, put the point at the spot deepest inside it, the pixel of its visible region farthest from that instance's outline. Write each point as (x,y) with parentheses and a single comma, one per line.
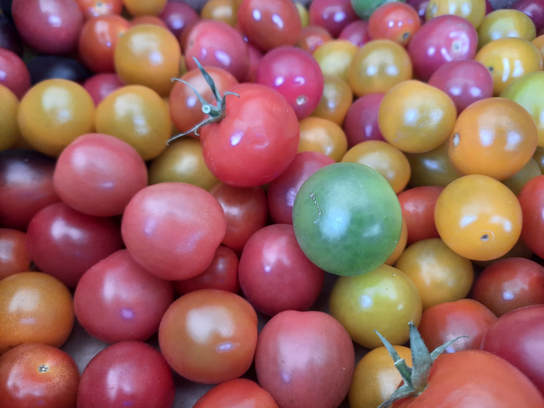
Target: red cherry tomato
(417,205)
(15,75)
(178,16)
(361,122)
(13,254)
(101,85)
(95,8)
(236,393)
(531,199)
(394,21)
(356,33)
(333,15)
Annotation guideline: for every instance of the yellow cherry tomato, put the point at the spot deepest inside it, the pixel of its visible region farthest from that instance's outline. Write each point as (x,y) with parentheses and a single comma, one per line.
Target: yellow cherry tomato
(440,274)
(378,66)
(303,13)
(416,117)
(53,113)
(182,162)
(221,10)
(505,24)
(334,57)
(472,10)
(137,115)
(432,168)
(335,101)
(137,8)
(376,377)
(495,137)
(148,55)
(385,300)
(323,136)
(508,59)
(389,161)
(478,217)
(9,128)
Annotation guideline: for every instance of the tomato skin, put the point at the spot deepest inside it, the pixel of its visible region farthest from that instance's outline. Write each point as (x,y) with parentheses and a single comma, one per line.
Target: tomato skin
(531,199)
(474,378)
(238,393)
(517,338)
(13,253)
(417,205)
(256,141)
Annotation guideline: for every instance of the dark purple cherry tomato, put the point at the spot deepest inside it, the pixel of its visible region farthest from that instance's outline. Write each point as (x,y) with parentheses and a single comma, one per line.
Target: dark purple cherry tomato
(98,175)
(64,243)
(296,75)
(283,190)
(356,33)
(14,73)
(50,67)
(50,26)
(128,374)
(101,85)
(464,81)
(534,9)
(216,44)
(173,229)
(333,15)
(517,337)
(246,211)
(274,273)
(118,300)
(178,16)
(222,274)
(361,121)
(9,37)
(305,359)
(26,186)
(441,40)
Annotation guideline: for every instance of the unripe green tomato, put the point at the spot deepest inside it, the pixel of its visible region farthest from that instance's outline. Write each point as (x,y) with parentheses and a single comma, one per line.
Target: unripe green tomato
(365,8)
(347,219)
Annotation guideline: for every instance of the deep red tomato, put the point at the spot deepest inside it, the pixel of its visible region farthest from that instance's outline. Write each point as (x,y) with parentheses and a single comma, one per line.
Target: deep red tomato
(236,393)
(333,15)
(15,75)
(37,375)
(394,21)
(417,205)
(517,337)
(101,85)
(531,199)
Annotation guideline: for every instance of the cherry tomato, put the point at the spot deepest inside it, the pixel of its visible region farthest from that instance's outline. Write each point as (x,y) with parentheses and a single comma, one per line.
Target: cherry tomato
(34,308)
(312,37)
(13,254)
(478,217)
(356,33)
(361,122)
(9,37)
(401,245)
(209,336)
(287,366)
(384,300)
(225,11)
(539,43)
(235,393)
(504,24)
(335,101)
(416,117)
(518,180)
(54,113)
(269,24)
(432,168)
(156,21)
(38,375)
(15,75)
(417,205)
(130,373)
(333,15)
(494,137)
(531,199)
(323,136)
(377,67)
(96,8)
(389,161)
(420,6)
(9,128)
(447,321)
(101,85)
(515,337)
(500,55)
(138,116)
(256,141)
(334,57)
(274,273)
(138,8)
(365,8)
(376,377)
(221,274)
(534,9)
(394,21)
(178,17)
(173,229)
(472,10)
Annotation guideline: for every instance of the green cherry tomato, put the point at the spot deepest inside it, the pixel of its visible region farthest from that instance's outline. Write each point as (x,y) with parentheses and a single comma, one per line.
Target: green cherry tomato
(365,8)
(347,219)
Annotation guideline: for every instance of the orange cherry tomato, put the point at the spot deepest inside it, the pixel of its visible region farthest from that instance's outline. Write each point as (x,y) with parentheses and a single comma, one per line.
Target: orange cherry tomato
(440,274)
(9,128)
(495,137)
(182,162)
(394,21)
(334,57)
(432,168)
(505,24)
(95,8)
(137,115)
(416,117)
(323,136)
(34,308)
(221,10)
(53,113)
(508,59)
(138,8)
(148,55)
(472,10)
(335,101)
(478,217)
(539,43)
(389,161)
(378,66)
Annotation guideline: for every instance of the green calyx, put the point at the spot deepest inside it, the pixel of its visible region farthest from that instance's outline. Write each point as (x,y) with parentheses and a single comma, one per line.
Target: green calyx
(215,113)
(415,379)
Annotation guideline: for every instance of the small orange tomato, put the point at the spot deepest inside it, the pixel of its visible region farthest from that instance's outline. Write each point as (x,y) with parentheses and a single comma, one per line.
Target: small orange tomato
(323,136)
(495,137)
(416,117)
(377,67)
(478,217)
(508,59)
(334,57)
(440,274)
(505,24)
(389,161)
(335,101)
(538,42)
(394,21)
(472,10)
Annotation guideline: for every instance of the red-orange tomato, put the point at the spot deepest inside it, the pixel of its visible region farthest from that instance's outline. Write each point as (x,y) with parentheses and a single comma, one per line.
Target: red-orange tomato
(237,393)
(13,254)
(95,8)
(417,205)
(394,21)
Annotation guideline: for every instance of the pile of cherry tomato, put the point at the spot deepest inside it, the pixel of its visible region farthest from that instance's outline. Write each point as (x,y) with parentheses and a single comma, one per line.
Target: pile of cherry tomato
(239,234)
